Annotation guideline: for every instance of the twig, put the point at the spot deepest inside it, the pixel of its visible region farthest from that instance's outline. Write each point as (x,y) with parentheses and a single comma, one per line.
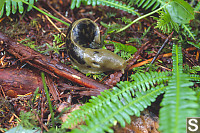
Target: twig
(149,60)
(164,44)
(58,13)
(54,25)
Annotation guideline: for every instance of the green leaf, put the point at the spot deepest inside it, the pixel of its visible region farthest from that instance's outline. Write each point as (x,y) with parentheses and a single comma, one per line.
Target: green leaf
(121,47)
(165,23)
(180,11)
(20,129)
(1,4)
(130,49)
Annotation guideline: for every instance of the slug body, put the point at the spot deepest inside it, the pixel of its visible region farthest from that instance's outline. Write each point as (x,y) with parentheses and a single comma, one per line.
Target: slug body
(84,49)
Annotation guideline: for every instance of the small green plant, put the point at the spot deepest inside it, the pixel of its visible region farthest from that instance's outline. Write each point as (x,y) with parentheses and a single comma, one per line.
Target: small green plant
(55,47)
(165,21)
(96,76)
(110,27)
(28,120)
(139,40)
(126,50)
(48,98)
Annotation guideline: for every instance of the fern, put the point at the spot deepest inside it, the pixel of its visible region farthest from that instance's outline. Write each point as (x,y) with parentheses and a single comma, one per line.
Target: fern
(110,3)
(179,100)
(119,109)
(14,5)
(119,97)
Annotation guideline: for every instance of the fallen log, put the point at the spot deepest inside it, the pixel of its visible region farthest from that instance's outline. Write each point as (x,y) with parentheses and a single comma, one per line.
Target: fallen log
(20,81)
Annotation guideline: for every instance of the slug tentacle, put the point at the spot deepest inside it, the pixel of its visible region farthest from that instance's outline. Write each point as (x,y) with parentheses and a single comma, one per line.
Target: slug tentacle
(84,49)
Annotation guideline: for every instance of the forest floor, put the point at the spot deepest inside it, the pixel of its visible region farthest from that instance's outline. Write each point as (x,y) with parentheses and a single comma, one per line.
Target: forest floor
(20,72)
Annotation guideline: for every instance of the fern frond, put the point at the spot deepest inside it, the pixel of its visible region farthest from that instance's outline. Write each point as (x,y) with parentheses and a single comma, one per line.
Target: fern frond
(120,110)
(124,92)
(12,5)
(194,77)
(110,3)
(179,100)
(148,4)
(165,23)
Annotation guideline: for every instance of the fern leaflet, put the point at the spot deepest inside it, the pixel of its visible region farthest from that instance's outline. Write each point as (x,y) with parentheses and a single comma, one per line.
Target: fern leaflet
(194,77)
(195,44)
(13,5)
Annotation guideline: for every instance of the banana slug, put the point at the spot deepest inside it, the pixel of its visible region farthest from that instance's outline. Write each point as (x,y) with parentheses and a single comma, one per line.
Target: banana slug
(84,49)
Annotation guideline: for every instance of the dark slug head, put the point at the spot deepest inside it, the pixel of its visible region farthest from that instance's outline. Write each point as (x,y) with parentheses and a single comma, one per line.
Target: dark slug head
(85,33)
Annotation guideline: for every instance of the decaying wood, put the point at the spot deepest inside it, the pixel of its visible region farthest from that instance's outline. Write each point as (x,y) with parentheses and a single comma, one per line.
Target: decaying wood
(20,81)
(53,89)
(45,63)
